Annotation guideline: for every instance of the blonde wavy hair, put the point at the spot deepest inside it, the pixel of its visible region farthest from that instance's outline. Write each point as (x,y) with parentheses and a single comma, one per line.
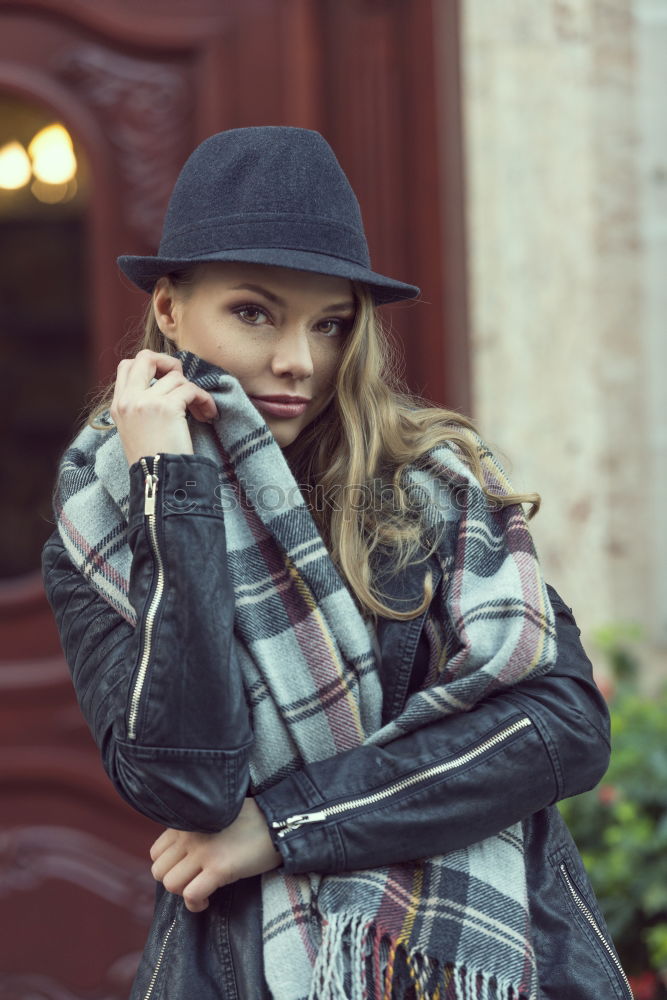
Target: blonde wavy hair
(361,443)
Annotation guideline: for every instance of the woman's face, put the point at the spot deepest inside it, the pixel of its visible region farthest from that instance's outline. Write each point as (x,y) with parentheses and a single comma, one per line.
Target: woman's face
(279,331)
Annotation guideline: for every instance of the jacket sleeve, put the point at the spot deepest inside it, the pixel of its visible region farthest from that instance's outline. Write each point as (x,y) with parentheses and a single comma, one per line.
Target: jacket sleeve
(183,759)
(452,783)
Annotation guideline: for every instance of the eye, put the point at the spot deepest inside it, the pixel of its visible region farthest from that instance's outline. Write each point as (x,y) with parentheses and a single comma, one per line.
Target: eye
(334,327)
(252,315)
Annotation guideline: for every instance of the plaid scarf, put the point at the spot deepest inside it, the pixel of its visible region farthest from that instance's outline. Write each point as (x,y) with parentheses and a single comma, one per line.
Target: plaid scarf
(453,926)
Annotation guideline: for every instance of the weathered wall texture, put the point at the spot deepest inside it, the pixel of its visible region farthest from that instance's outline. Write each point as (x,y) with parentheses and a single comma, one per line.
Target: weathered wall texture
(566,165)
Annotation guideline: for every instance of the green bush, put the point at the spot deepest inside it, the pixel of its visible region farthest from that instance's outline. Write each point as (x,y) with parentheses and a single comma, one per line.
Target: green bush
(621,826)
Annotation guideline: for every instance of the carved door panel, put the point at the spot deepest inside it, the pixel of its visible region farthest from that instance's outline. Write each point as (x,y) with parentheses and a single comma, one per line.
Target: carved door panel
(136,91)
(137,86)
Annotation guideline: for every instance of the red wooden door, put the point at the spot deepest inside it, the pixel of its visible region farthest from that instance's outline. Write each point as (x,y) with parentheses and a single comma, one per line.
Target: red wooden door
(138,86)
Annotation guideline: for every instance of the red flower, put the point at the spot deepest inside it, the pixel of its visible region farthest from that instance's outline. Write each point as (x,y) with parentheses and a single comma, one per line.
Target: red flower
(608,794)
(606,686)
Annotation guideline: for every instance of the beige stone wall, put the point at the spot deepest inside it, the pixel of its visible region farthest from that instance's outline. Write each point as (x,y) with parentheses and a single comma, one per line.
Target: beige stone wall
(652,132)
(563,164)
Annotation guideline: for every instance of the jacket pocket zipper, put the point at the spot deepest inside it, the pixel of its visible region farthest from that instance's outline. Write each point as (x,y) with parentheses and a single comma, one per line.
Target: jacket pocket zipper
(294,822)
(583,908)
(150,496)
(156,970)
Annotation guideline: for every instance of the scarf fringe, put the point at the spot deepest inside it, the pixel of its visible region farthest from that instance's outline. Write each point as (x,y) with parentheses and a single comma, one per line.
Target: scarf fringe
(357,960)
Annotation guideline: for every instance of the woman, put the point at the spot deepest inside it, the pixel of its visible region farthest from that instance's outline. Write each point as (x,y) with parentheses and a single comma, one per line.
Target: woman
(306,625)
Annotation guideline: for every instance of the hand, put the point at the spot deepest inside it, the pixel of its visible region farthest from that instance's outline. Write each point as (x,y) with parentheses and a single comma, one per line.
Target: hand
(194,865)
(151,418)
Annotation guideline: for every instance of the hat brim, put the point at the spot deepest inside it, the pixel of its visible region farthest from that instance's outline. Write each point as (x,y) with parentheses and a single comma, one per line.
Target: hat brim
(145,271)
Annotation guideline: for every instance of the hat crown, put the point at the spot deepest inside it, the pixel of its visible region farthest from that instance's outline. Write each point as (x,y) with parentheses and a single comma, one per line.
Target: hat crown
(261,187)
(273,195)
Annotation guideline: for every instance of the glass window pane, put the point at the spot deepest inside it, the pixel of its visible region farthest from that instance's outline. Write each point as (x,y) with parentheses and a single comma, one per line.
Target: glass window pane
(44,343)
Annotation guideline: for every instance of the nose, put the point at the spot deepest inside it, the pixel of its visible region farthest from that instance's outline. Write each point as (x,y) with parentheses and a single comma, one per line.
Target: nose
(292,355)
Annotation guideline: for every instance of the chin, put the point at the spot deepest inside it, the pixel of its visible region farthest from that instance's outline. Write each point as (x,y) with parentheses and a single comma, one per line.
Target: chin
(285,435)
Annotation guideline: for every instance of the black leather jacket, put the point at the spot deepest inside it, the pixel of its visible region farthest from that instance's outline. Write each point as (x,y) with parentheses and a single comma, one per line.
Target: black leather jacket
(187,767)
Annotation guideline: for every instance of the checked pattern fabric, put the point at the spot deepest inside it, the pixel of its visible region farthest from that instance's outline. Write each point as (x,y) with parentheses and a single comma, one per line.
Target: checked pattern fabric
(454,926)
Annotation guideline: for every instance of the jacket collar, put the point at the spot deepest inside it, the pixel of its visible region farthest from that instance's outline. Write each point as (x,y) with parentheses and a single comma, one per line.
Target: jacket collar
(399,640)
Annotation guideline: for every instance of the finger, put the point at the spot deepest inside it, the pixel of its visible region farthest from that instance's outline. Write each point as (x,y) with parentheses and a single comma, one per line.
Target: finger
(175,380)
(185,395)
(167,861)
(198,400)
(196,893)
(181,875)
(148,365)
(165,840)
(158,359)
(122,373)
(137,374)
(167,382)
(204,409)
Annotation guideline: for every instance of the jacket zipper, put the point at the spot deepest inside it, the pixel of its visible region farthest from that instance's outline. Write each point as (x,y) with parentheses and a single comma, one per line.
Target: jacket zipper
(150,497)
(156,970)
(588,916)
(294,822)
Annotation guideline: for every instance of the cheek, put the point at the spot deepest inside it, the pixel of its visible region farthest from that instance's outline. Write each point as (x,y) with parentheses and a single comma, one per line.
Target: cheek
(327,362)
(222,347)
(248,359)
(234,360)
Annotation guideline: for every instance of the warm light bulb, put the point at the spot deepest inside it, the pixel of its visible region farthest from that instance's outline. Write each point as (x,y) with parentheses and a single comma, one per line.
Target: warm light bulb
(14,166)
(48,137)
(53,159)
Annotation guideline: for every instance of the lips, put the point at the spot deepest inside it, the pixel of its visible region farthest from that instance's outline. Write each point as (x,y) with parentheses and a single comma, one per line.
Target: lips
(284,406)
(285,398)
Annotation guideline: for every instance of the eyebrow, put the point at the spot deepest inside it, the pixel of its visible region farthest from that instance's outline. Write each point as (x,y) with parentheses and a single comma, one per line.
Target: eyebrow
(272,297)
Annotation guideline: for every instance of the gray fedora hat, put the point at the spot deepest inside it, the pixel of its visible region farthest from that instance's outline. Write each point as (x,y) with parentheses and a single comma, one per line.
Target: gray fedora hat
(265,195)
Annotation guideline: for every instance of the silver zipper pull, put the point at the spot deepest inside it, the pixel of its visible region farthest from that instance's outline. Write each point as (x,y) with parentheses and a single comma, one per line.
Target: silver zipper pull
(294,822)
(150,494)
(150,486)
